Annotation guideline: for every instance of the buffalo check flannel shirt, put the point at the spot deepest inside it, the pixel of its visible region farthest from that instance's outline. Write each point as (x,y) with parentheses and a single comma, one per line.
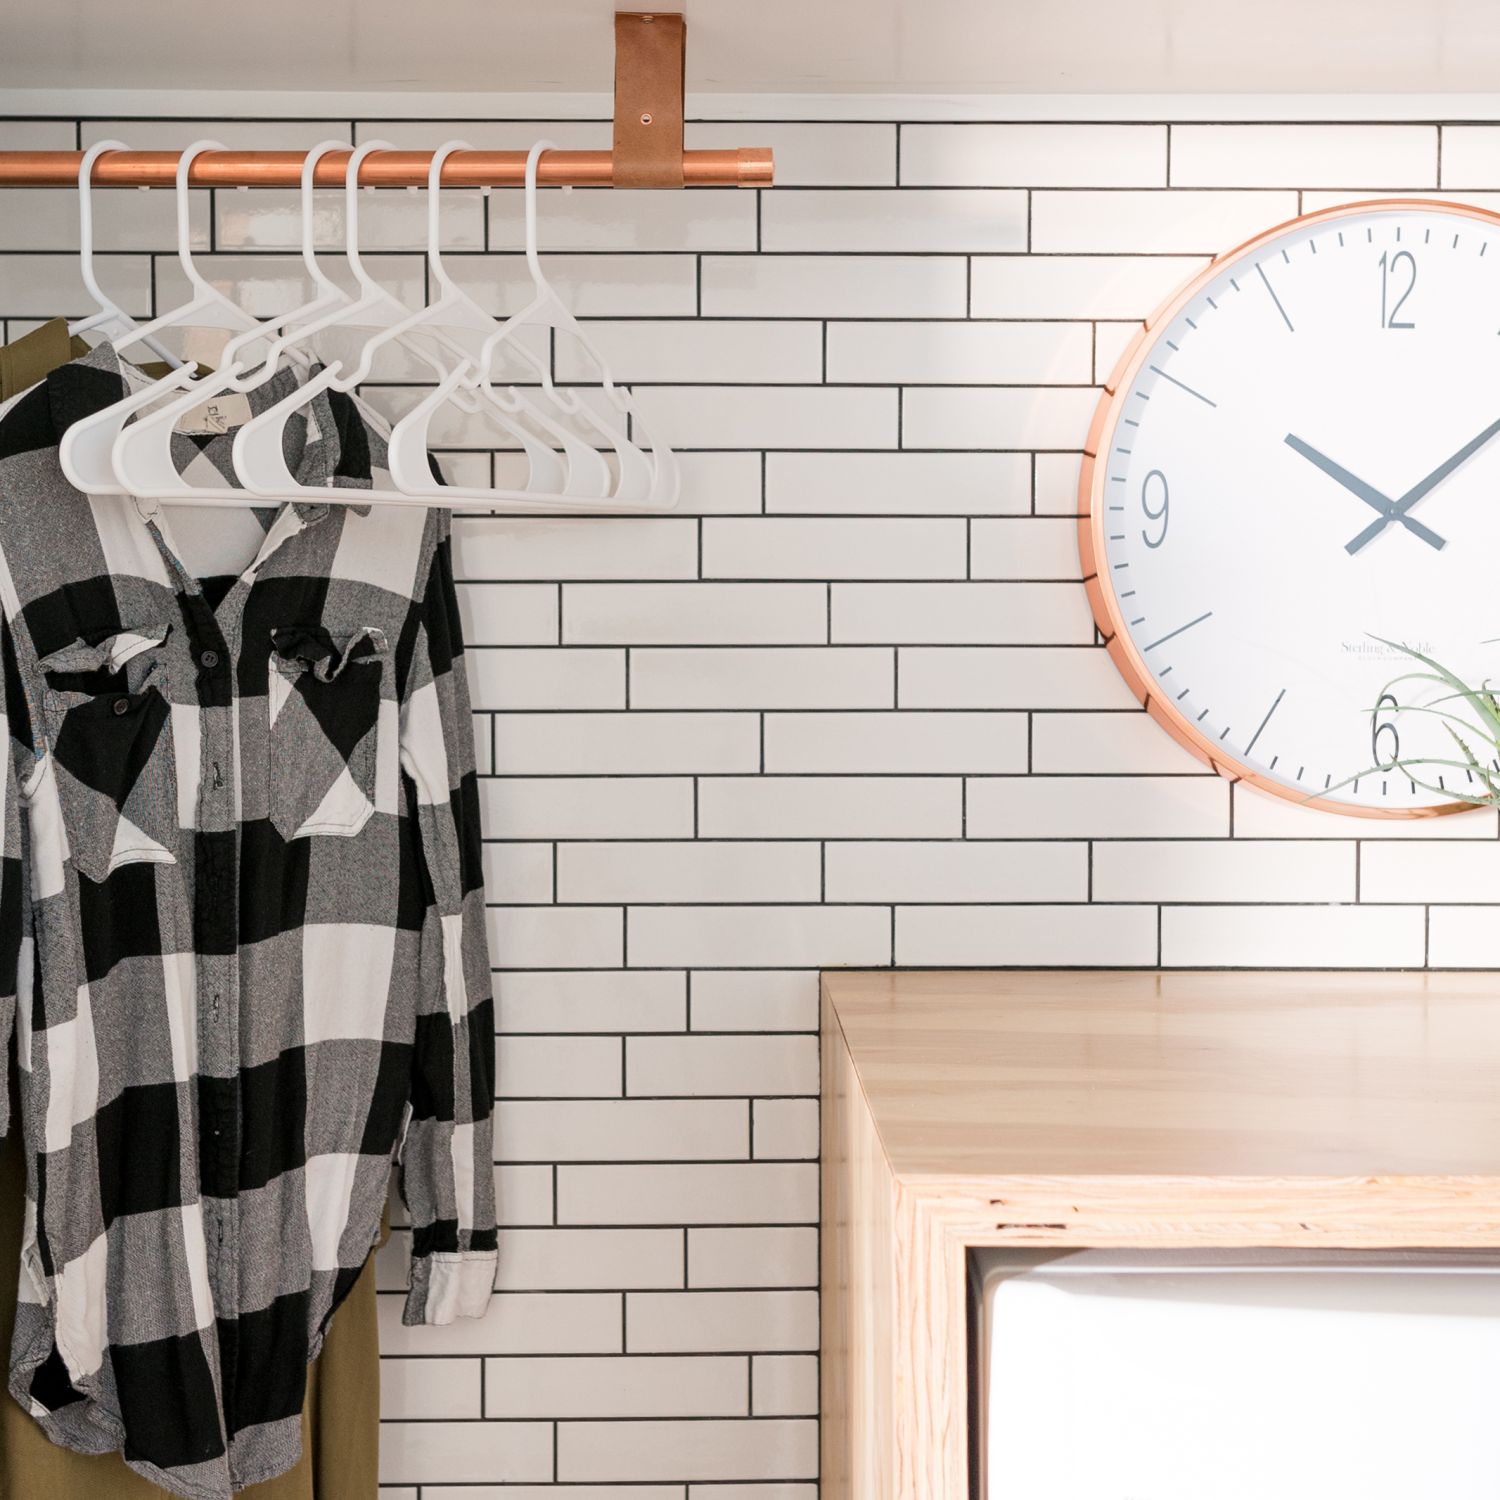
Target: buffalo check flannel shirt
(242,947)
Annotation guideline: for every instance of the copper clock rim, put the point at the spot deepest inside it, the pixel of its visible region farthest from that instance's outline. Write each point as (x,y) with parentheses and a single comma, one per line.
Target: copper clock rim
(1103,603)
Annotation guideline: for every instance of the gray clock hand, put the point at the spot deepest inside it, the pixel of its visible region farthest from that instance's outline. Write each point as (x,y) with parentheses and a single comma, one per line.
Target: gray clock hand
(1417,491)
(1368,493)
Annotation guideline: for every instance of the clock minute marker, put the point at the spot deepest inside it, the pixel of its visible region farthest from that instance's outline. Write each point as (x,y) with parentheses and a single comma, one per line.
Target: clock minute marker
(1274,298)
(1181,385)
(1271,710)
(1169,635)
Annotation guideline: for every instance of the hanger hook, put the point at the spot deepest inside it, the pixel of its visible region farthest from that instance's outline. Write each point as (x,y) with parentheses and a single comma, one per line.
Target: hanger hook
(351,209)
(86,220)
(532,158)
(184,210)
(310,162)
(434,207)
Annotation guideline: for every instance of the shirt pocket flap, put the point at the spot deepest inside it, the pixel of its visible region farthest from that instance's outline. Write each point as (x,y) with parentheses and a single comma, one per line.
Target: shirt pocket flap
(323,652)
(107,654)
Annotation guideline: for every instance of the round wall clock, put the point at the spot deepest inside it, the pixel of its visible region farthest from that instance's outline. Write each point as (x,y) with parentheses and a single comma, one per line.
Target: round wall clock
(1296,462)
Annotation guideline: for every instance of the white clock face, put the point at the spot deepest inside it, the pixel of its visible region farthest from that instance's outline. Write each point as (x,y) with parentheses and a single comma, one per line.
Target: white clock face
(1303,461)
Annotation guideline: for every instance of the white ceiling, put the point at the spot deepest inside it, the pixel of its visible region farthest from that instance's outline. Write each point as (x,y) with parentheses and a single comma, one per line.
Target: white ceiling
(885,46)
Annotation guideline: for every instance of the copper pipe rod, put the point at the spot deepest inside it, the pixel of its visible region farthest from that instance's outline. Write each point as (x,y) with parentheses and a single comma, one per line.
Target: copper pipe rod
(750,166)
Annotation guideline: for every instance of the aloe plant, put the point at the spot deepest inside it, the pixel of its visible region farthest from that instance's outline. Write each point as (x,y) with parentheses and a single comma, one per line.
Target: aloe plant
(1471,717)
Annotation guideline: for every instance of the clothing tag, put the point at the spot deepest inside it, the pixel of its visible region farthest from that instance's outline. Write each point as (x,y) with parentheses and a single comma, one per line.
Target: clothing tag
(205,345)
(217,414)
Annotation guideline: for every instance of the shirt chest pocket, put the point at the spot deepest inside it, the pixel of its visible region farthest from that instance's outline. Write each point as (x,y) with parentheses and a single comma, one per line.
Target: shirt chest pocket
(108,720)
(324,691)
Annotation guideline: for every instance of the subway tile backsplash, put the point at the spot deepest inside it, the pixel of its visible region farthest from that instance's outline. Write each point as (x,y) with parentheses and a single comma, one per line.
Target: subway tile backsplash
(845,707)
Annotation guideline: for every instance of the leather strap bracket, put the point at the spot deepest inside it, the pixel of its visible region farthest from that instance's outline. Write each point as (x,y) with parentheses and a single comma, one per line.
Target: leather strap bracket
(650,49)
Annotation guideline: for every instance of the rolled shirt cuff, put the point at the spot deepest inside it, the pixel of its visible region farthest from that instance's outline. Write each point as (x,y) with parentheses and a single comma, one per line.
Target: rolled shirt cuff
(445,1286)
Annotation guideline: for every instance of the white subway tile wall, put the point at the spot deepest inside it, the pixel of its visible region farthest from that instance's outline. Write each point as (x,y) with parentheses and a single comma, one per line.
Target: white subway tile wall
(846,707)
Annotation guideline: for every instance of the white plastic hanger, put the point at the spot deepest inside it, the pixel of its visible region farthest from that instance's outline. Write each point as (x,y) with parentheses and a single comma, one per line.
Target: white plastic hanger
(142,453)
(582,471)
(87,446)
(646,484)
(652,483)
(635,469)
(207,303)
(327,293)
(374,307)
(259,460)
(109,317)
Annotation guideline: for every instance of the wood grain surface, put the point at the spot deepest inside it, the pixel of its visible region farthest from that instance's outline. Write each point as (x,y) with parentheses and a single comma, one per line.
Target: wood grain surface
(1107,1108)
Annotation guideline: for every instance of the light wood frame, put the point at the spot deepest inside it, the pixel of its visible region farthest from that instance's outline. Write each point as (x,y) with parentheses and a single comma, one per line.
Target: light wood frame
(897,1227)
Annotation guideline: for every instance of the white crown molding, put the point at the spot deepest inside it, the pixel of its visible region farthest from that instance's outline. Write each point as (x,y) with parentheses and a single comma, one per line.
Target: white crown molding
(238,104)
(394,105)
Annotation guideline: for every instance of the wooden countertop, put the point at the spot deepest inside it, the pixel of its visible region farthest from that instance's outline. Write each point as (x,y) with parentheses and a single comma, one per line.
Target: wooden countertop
(1177,1074)
(1074,1108)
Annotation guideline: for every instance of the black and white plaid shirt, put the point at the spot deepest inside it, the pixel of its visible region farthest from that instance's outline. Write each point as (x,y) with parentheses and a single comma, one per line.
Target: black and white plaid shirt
(243,944)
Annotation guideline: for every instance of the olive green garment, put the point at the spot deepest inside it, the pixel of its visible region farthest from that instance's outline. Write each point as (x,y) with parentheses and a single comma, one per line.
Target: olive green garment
(340,1421)
(35,355)
(341,1417)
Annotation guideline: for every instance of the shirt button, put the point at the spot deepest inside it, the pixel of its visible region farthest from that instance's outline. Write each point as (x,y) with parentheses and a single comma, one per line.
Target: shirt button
(210,659)
(122,705)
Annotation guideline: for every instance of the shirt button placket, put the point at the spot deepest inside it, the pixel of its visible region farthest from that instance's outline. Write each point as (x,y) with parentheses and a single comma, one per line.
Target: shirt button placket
(217,923)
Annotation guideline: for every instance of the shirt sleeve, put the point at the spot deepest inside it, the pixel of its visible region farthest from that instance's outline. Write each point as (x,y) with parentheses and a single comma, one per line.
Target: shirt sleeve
(15,901)
(447,1170)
